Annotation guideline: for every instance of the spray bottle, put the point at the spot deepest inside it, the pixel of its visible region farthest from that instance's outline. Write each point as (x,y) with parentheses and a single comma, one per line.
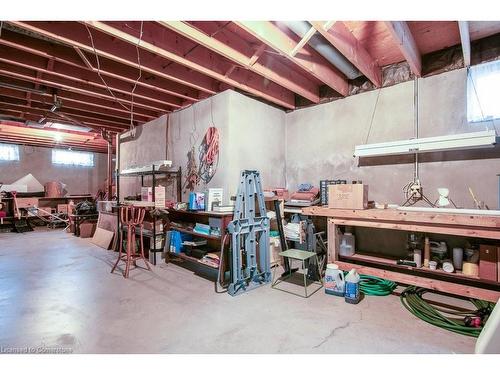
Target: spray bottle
(352,287)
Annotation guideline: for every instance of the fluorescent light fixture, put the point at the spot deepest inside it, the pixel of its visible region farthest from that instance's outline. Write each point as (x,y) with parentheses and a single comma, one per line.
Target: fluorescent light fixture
(61,126)
(462,141)
(58,137)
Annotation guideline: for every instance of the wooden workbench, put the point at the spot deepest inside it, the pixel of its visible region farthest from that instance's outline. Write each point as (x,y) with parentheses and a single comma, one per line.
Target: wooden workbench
(473,226)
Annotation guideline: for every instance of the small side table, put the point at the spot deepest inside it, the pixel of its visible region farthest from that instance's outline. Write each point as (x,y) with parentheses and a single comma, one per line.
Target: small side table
(301,255)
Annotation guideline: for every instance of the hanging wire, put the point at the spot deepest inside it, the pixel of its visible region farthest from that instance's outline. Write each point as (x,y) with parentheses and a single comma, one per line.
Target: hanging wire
(373,115)
(477,98)
(99,69)
(138,78)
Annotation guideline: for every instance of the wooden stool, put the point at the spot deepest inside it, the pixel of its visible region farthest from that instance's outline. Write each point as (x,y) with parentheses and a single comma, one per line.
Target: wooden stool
(132,217)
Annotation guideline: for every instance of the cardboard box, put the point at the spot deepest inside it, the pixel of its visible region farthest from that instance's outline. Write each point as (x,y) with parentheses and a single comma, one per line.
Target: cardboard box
(62,208)
(498,263)
(27,202)
(44,211)
(87,229)
(488,259)
(148,225)
(348,196)
(147,195)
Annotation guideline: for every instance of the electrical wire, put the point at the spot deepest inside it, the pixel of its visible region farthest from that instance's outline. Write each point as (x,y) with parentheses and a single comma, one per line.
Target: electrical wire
(454,320)
(99,69)
(373,115)
(138,78)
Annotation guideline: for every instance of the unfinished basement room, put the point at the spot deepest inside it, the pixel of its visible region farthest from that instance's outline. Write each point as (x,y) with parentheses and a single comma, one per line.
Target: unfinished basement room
(204,184)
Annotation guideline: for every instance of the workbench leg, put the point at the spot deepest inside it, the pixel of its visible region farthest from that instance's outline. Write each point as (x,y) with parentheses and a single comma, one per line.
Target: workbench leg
(333,242)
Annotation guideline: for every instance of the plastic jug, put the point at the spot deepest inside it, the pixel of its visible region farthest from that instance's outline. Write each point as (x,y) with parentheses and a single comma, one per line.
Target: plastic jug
(334,280)
(346,246)
(352,287)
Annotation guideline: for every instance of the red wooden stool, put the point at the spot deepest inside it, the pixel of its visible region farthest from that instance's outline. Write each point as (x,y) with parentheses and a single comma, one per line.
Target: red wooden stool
(132,217)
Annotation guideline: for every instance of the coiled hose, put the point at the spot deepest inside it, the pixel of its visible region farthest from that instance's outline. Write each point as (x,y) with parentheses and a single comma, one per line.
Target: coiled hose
(375,286)
(454,320)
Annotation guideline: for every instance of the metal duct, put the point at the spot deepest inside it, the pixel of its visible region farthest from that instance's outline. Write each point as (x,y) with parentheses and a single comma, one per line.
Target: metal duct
(324,48)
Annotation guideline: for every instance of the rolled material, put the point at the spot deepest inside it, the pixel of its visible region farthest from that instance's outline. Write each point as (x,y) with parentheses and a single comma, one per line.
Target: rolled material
(54,189)
(427,252)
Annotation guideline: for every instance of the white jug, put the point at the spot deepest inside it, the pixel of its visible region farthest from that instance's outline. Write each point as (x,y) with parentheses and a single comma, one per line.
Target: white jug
(334,280)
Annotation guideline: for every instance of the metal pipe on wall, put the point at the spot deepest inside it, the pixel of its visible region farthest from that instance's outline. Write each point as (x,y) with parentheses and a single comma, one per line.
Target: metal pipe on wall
(325,49)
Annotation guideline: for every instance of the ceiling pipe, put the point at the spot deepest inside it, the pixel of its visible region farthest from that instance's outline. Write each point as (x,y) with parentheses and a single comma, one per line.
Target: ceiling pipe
(325,49)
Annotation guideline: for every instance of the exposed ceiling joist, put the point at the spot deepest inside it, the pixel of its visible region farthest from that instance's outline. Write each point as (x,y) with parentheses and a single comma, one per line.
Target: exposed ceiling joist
(403,37)
(307,59)
(107,68)
(465,39)
(305,39)
(278,73)
(80,38)
(84,76)
(255,87)
(65,84)
(86,120)
(341,38)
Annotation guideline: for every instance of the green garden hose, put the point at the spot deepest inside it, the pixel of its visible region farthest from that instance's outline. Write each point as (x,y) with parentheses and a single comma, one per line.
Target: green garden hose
(375,286)
(454,320)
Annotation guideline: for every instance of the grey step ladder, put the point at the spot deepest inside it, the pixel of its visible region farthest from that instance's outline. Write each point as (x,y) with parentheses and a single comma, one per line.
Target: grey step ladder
(247,230)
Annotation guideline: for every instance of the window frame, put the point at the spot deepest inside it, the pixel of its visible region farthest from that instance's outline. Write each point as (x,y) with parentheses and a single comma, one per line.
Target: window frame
(56,159)
(17,154)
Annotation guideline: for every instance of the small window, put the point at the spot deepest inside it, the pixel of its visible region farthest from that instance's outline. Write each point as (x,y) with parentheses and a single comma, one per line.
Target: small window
(483,89)
(66,157)
(9,152)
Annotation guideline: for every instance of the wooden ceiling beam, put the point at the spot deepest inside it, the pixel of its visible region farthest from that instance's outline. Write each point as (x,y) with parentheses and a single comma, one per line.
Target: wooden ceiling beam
(95,104)
(68,103)
(406,43)
(308,60)
(278,73)
(77,87)
(79,37)
(204,65)
(46,106)
(82,75)
(107,68)
(463,27)
(36,115)
(342,39)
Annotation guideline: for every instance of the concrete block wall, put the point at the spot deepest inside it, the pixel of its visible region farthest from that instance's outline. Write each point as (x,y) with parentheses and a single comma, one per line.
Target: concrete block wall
(38,162)
(251,136)
(318,142)
(321,139)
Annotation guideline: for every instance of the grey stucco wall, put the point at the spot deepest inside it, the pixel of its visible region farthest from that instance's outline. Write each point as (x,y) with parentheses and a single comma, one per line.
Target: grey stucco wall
(251,136)
(38,162)
(316,143)
(320,142)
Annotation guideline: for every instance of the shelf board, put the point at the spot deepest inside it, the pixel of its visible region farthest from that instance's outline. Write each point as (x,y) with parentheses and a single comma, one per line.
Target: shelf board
(200,213)
(385,261)
(191,259)
(190,231)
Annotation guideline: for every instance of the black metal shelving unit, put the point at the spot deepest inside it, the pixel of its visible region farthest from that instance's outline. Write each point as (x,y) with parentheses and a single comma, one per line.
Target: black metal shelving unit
(155,172)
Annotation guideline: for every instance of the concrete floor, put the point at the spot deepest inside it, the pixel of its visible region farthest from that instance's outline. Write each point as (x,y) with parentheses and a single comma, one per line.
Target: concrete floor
(57,291)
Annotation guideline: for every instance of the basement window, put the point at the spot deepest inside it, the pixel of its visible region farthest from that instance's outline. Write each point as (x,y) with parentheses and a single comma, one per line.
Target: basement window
(9,152)
(74,158)
(483,89)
